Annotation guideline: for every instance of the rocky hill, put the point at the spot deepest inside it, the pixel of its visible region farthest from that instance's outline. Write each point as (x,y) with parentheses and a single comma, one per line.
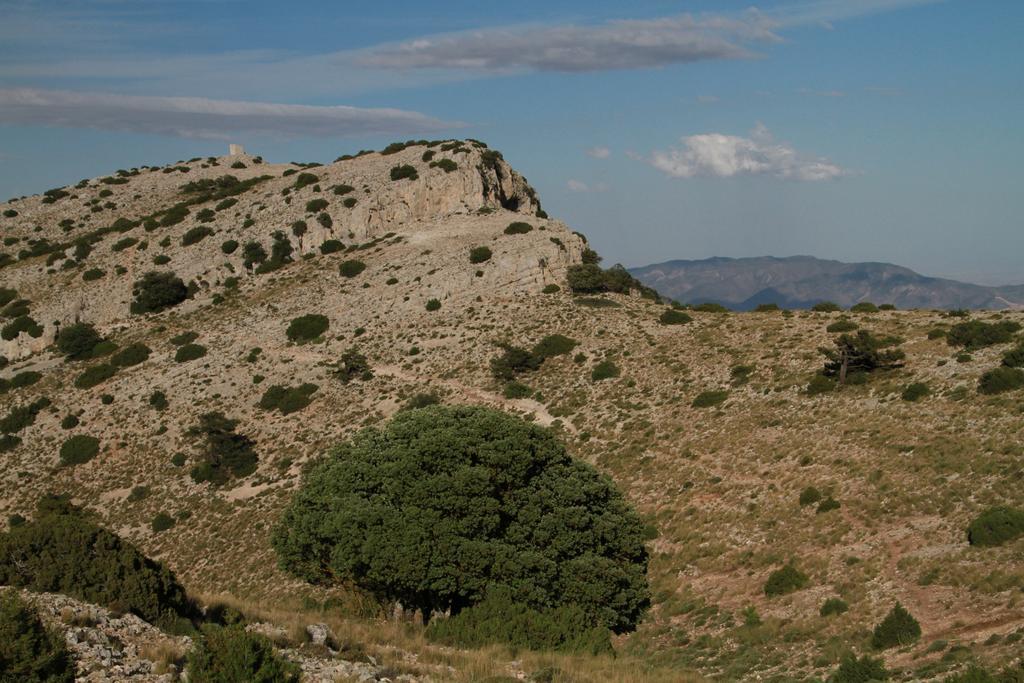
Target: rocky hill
(707,426)
(802,281)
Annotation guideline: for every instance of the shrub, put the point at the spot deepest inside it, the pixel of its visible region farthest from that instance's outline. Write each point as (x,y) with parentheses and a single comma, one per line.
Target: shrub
(479,254)
(343,189)
(315,205)
(842,325)
(94,274)
(996,526)
(827,505)
(446,165)
(69,422)
(158,400)
(673,317)
(77,341)
(304,179)
(196,235)
(585,278)
(706,399)
(79,449)
(331,246)
(421,401)
(898,628)
(859,353)
(189,352)
(553,345)
(161,260)
(783,581)
(863,670)
(550,289)
(20,417)
(307,327)
(349,202)
(226,455)
(351,268)
(94,375)
(518,228)
(975,334)
(512,361)
(230,654)
(353,365)
(287,400)
(826,307)
(133,354)
(184,338)
(433,305)
(157,291)
(809,496)
(516,390)
(864,307)
(470,459)
(1001,379)
(324,219)
(161,522)
(404,171)
(709,307)
(225,204)
(229,246)
(124,243)
(915,391)
(606,369)
(29,652)
(253,253)
(22,323)
(833,606)
(1014,358)
(766,308)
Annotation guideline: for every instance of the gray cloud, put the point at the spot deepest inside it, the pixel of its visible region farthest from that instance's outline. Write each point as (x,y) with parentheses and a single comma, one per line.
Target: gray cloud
(196,117)
(725,156)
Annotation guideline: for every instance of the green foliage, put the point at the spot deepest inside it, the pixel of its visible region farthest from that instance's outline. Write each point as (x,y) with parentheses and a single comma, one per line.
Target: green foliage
(1014,358)
(343,189)
(69,422)
(280,254)
(158,400)
(1000,379)
(307,327)
(29,652)
(94,375)
(79,449)
(446,503)
(351,268)
(184,338)
(253,254)
(124,243)
(809,496)
(915,391)
(22,323)
(304,179)
(498,618)
(516,390)
(331,247)
(196,235)
(157,291)
(353,365)
(842,325)
(404,171)
(707,399)
(864,307)
(827,505)
(513,361)
(550,289)
(20,417)
(859,353)
(349,202)
(479,254)
(189,352)
(975,334)
(76,341)
(422,401)
(709,307)
(161,522)
(230,654)
(833,606)
(61,551)
(433,305)
(446,165)
(673,317)
(133,354)
(314,205)
(820,384)
(227,454)
(518,228)
(287,400)
(898,628)
(229,246)
(589,278)
(553,345)
(783,581)
(606,369)
(767,308)
(826,307)
(863,670)
(996,526)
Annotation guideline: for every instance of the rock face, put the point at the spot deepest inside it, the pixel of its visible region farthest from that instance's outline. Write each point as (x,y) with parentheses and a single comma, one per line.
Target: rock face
(463,196)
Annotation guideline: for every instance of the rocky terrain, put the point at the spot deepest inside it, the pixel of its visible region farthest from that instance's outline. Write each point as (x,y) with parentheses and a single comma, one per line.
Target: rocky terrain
(720,478)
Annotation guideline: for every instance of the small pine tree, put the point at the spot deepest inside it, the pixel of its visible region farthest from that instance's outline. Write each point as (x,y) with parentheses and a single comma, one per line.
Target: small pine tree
(898,628)
(29,652)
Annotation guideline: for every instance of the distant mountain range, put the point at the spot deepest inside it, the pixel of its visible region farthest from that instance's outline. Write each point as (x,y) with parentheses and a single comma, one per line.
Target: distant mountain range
(802,281)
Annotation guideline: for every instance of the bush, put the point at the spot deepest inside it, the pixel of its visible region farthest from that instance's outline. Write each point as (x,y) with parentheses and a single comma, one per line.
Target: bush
(550,289)
(446,165)
(897,629)
(585,278)
(230,654)
(157,291)
(833,606)
(783,581)
(189,352)
(93,274)
(22,323)
(518,228)
(421,401)
(349,202)
(161,522)
(331,246)
(498,487)
(315,205)
(158,400)
(767,308)
(859,353)
(351,268)
(196,235)
(606,369)
(404,171)
(498,618)
(433,305)
(673,317)
(512,361)
(133,354)
(809,496)
(479,254)
(706,399)
(343,189)
(229,246)
(842,325)
(353,365)
(709,307)
(79,449)
(20,417)
(1014,358)
(253,253)
(996,526)
(61,551)
(975,334)
(915,391)
(227,454)
(863,670)
(864,307)
(515,390)
(307,327)
(1001,379)
(553,345)
(29,652)
(96,374)
(827,505)
(69,422)
(77,341)
(826,307)
(161,260)
(287,400)
(304,179)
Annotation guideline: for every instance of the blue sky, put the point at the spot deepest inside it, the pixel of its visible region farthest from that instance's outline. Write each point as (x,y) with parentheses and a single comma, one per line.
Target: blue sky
(885,130)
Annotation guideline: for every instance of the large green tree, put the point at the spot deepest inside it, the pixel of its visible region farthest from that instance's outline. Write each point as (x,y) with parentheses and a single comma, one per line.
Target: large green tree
(445,503)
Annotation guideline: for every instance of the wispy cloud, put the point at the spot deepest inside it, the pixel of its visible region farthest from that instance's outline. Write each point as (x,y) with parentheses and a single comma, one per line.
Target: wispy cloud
(580,186)
(706,99)
(599,152)
(725,156)
(195,117)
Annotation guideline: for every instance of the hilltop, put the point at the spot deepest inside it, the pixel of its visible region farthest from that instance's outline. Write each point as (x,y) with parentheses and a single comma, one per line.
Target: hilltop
(802,281)
(707,425)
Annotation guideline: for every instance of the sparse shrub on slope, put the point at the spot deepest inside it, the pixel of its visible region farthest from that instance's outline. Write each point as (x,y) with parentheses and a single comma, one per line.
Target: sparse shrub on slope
(859,353)
(433,305)
(404,171)
(864,307)
(809,496)
(79,449)
(60,551)
(442,484)
(915,391)
(512,361)
(673,317)
(307,327)
(897,629)
(230,654)
(351,268)
(788,579)
(995,526)
(189,352)
(479,254)
(554,345)
(133,354)
(863,670)
(76,341)
(1014,358)
(331,247)
(29,652)
(998,380)
(196,235)
(842,325)
(975,334)
(706,399)
(158,291)
(606,369)
(227,454)
(586,278)
(287,400)
(833,606)
(94,375)
(315,205)
(352,366)
(826,307)
(518,228)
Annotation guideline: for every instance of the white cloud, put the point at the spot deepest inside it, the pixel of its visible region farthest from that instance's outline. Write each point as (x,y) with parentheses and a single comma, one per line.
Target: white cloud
(599,152)
(725,156)
(580,186)
(195,117)
(706,99)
